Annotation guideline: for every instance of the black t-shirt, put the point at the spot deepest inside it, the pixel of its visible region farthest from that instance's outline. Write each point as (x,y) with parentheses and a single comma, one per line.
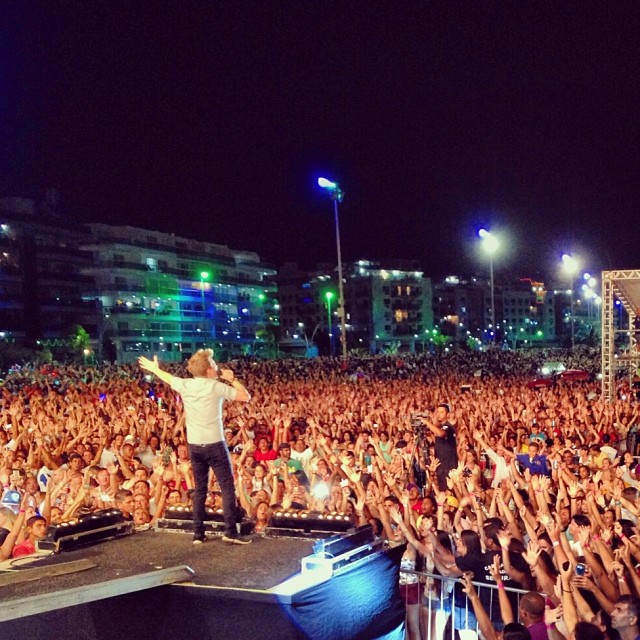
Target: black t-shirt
(445,447)
(479,565)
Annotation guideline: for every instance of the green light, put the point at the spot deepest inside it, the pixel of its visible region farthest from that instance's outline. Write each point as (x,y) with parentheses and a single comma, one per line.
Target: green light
(261,297)
(539,333)
(204,275)
(328,295)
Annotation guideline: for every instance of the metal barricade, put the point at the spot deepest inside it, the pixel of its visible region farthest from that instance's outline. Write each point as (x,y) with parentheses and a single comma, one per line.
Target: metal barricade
(429,619)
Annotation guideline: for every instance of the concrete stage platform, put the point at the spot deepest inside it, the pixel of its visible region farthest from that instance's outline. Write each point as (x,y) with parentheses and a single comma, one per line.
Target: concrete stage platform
(158,584)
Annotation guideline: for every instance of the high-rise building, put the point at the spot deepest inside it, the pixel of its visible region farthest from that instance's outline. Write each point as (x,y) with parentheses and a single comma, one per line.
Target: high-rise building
(132,290)
(524,312)
(42,285)
(385,308)
(166,295)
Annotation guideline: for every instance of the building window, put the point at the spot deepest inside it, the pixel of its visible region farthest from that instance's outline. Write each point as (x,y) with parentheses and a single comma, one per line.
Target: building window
(401,315)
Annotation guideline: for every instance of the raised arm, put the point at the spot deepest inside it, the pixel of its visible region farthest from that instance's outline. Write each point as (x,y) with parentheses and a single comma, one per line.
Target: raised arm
(153,366)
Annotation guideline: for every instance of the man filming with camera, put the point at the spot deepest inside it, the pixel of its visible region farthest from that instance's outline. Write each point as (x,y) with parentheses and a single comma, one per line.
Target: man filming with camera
(445,443)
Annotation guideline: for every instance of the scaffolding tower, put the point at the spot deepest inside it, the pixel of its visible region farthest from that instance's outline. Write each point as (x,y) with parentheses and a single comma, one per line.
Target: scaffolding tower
(623,286)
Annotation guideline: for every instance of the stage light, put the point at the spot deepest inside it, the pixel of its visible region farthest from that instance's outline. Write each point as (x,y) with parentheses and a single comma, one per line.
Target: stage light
(180,520)
(320,491)
(84,530)
(307,524)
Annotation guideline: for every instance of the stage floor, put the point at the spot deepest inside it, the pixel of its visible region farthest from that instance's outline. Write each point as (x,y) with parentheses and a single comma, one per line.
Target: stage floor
(157,584)
(259,566)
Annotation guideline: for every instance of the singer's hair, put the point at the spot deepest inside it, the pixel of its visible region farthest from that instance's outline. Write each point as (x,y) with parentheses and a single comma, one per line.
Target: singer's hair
(200,362)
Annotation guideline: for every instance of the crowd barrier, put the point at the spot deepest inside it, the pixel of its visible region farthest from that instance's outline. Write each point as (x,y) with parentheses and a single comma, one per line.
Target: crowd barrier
(436,604)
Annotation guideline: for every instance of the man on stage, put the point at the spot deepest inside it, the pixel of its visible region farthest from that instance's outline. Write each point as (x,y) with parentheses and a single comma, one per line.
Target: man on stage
(203,397)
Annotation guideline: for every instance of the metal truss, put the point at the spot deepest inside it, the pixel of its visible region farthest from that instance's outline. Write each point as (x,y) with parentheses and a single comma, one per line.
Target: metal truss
(623,286)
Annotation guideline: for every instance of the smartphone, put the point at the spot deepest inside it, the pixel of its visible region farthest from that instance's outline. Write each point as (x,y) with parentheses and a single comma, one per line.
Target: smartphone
(581,569)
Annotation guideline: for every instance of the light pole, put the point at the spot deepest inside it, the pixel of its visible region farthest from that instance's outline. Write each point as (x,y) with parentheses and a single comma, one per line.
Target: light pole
(570,266)
(204,275)
(490,245)
(328,296)
(337,195)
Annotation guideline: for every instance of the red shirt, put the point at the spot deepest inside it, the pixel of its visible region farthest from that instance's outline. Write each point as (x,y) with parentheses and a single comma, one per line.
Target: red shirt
(260,456)
(23,549)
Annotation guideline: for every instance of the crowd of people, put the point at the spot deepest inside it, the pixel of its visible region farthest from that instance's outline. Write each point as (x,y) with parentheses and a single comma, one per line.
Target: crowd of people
(492,485)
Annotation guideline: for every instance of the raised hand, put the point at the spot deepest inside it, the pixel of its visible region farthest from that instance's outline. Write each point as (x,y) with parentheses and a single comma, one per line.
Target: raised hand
(552,616)
(395,514)
(504,539)
(606,535)
(532,553)
(494,569)
(584,534)
(149,365)
(467,584)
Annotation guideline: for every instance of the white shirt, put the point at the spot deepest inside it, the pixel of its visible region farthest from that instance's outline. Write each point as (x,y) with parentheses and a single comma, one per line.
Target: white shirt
(203,399)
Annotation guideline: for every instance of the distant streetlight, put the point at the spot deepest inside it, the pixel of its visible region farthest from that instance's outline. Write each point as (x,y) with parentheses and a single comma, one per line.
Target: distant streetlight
(329,296)
(490,245)
(204,275)
(570,266)
(337,195)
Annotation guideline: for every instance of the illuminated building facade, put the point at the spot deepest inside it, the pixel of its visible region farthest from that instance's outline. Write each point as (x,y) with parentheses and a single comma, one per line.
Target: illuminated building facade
(386,309)
(524,312)
(166,295)
(133,291)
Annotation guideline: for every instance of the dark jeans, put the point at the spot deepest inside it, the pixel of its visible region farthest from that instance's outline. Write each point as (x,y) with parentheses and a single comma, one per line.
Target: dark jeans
(215,456)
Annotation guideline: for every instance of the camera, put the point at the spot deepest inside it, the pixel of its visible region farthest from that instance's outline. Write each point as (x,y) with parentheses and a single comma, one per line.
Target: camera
(419,428)
(581,569)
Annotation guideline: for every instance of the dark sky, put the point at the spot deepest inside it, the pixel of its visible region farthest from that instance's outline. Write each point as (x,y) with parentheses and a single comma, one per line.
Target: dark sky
(214,120)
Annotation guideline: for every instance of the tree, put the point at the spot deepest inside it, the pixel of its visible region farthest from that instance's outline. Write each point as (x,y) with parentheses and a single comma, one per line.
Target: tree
(80,342)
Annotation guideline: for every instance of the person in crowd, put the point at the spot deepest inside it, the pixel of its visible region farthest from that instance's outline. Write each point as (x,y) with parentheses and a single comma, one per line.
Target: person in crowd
(565,532)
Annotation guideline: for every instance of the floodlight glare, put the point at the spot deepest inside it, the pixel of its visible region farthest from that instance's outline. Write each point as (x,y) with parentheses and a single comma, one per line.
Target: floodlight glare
(489,241)
(570,264)
(326,184)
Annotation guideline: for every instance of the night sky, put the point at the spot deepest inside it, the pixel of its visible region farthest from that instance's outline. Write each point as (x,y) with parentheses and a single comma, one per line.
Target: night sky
(213,120)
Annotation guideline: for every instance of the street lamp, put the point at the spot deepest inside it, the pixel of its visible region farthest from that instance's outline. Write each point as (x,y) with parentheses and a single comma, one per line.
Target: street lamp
(329,296)
(337,195)
(490,245)
(570,266)
(204,275)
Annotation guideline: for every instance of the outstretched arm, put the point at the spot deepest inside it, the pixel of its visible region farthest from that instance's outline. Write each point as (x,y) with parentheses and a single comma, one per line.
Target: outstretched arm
(153,366)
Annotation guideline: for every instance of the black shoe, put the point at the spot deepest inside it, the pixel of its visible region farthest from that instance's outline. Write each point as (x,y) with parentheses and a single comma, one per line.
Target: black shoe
(235,539)
(198,539)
